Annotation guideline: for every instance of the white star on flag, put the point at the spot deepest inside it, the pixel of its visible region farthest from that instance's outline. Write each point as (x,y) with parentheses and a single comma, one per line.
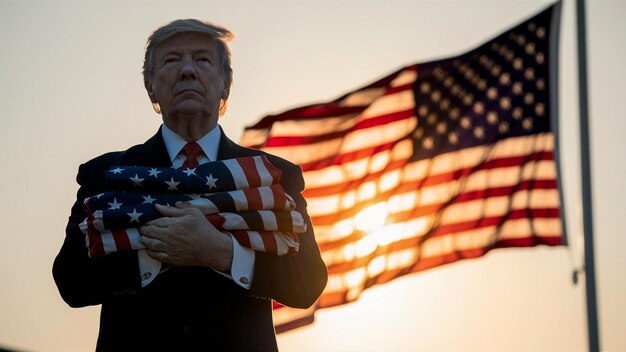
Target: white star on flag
(117,170)
(172,185)
(148,199)
(115,204)
(134,216)
(190,172)
(137,180)
(154,172)
(211,182)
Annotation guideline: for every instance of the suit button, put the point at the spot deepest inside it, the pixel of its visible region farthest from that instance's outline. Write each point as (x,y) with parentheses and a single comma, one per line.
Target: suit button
(243,280)
(186,329)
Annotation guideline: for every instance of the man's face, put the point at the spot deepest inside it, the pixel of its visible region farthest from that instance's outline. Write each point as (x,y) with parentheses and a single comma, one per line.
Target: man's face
(187,79)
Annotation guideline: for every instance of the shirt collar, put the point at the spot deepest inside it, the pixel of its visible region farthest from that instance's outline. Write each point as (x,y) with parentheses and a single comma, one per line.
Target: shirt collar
(209,143)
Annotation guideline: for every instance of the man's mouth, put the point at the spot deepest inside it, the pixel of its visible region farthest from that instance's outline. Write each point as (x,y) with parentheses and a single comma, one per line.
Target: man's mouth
(187,90)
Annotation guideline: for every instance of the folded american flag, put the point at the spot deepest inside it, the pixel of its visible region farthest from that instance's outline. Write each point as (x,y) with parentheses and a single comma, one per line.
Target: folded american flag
(214,176)
(247,202)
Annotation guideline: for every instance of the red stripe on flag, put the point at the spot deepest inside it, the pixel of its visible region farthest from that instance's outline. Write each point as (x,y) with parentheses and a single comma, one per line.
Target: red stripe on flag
(242,237)
(216,219)
(331,299)
(120,237)
(269,241)
(253,197)
(286,141)
(555,240)
(250,171)
(280,198)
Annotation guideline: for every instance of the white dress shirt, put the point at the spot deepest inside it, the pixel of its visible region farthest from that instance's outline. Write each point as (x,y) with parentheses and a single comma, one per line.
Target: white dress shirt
(242,268)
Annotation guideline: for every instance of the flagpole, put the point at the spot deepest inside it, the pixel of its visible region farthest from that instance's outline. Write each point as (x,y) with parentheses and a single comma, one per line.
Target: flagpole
(590,276)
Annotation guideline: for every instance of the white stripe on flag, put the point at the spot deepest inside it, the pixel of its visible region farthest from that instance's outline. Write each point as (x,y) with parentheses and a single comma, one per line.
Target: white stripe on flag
(269,220)
(254,137)
(205,205)
(107,242)
(405,77)
(362,98)
(389,104)
(241,202)
(255,241)
(239,176)
(233,221)
(267,198)
(134,237)
(312,128)
(281,242)
(264,174)
(98,222)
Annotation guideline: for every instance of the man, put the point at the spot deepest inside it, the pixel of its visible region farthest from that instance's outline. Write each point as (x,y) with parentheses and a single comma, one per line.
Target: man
(215,294)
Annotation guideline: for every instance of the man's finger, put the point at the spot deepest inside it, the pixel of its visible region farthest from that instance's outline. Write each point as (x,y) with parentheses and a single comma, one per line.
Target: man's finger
(170,211)
(153,244)
(182,205)
(153,231)
(160,222)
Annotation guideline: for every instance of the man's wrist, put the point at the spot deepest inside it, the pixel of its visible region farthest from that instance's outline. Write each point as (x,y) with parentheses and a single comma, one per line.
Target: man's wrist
(223,258)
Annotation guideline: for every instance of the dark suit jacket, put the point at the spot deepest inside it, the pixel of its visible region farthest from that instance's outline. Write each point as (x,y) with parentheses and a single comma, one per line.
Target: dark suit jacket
(190,308)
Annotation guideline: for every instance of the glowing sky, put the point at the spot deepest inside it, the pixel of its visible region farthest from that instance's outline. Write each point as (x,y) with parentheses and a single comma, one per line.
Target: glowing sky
(72,89)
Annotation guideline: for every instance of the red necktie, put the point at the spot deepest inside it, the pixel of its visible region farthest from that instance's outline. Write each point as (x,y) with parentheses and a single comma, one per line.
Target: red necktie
(191,151)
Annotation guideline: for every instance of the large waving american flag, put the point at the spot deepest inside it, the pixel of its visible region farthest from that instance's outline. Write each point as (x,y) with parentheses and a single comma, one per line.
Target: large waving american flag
(437,162)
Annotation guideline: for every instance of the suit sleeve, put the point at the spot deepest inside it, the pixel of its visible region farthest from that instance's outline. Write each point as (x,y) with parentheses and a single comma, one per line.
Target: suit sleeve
(293,280)
(84,281)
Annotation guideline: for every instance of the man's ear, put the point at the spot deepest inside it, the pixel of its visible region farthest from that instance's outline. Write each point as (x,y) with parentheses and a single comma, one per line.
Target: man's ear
(152,96)
(150,91)
(226,91)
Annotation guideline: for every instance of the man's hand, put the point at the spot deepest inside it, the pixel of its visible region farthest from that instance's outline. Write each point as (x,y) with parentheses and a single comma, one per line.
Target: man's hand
(184,237)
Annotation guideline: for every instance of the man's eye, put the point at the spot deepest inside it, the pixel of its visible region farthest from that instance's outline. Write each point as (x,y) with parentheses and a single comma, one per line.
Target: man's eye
(203,59)
(170,60)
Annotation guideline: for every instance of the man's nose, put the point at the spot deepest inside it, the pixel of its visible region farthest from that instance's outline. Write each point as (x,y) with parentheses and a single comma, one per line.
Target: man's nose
(188,69)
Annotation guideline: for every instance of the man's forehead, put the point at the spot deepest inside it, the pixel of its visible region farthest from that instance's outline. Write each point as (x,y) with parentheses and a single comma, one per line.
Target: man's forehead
(196,41)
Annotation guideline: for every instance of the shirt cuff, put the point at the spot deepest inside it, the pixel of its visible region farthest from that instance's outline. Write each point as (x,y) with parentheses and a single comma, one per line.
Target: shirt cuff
(242,268)
(149,267)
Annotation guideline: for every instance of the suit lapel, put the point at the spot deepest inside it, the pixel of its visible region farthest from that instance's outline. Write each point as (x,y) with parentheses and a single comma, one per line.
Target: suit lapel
(227,149)
(151,153)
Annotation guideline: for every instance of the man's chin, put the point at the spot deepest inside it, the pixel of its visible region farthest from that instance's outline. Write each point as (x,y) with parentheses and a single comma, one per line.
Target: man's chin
(190,109)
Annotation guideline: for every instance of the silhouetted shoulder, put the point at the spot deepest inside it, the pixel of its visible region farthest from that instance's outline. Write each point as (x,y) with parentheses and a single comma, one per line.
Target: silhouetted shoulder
(94,170)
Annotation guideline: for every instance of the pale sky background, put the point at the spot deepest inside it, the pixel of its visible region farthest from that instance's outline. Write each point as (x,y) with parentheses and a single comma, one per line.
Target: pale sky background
(71,89)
